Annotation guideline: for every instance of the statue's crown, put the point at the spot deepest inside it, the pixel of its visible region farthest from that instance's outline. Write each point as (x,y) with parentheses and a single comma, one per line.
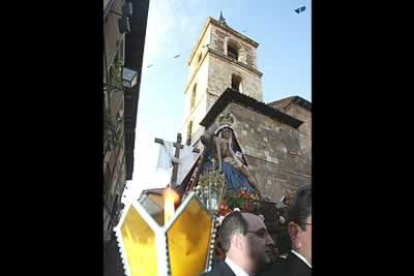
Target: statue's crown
(226,119)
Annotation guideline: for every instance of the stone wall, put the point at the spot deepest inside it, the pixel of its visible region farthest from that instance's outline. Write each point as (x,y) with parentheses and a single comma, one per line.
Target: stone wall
(305,130)
(219,40)
(200,48)
(219,78)
(197,113)
(221,67)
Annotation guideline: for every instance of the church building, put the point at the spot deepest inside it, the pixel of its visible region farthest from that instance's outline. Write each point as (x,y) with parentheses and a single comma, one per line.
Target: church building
(224,78)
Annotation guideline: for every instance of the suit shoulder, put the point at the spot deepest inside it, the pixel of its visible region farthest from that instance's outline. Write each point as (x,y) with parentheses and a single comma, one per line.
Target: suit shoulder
(277,268)
(210,273)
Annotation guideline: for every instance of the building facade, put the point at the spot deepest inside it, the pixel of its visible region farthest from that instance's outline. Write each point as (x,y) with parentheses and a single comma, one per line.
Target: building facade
(224,78)
(125,23)
(114,107)
(221,58)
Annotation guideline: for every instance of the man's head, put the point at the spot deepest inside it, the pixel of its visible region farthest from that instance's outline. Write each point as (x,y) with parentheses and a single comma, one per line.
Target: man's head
(300,222)
(245,240)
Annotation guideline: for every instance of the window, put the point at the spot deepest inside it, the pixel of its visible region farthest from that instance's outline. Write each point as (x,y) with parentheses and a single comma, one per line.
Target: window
(189,132)
(121,49)
(236,82)
(233,53)
(233,50)
(193,96)
(119,118)
(199,57)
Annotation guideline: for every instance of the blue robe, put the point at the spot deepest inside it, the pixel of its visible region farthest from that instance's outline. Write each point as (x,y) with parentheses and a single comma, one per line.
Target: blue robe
(235,179)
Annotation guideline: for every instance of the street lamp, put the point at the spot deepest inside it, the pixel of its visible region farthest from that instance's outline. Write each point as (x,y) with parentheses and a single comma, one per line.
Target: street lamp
(129,80)
(129,77)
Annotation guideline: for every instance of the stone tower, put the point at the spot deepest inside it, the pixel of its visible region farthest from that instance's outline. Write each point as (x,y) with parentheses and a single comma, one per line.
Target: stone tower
(221,58)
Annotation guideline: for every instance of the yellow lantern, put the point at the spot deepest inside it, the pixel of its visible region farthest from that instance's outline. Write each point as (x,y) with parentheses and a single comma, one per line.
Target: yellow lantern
(182,246)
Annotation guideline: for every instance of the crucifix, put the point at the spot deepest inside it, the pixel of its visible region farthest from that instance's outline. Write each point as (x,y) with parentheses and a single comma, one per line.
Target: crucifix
(178,147)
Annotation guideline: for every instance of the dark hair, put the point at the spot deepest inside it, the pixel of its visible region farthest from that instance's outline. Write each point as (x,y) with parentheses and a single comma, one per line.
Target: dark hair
(234,223)
(301,206)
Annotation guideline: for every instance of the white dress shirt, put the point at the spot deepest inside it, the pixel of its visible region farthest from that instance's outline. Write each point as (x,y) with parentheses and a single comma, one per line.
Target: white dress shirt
(301,257)
(235,268)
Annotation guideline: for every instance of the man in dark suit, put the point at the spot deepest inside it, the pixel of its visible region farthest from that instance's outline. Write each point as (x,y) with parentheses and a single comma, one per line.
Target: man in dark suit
(299,259)
(247,244)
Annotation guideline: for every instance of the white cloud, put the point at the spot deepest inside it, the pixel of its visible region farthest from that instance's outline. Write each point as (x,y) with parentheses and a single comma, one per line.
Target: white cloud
(146,176)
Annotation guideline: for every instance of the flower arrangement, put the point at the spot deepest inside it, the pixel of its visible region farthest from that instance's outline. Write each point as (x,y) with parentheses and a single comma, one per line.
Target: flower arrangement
(242,200)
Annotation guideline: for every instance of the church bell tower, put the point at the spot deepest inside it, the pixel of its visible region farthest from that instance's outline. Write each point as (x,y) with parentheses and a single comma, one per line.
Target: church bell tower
(221,58)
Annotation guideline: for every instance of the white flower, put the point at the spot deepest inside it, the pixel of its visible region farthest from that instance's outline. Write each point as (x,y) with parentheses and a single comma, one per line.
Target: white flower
(220,220)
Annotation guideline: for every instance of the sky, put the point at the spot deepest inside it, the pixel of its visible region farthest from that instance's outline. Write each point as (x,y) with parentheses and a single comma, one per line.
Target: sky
(173,27)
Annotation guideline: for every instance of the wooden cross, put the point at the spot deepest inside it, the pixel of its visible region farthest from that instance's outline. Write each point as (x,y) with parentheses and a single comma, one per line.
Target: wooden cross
(177,146)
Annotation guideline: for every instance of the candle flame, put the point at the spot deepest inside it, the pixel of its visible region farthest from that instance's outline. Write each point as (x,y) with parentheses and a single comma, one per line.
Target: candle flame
(170,198)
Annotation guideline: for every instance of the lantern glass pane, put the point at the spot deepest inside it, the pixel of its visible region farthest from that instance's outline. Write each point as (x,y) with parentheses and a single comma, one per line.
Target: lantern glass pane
(139,244)
(189,240)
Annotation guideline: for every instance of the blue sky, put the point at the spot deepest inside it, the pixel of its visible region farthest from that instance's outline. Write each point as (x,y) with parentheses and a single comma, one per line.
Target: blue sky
(284,57)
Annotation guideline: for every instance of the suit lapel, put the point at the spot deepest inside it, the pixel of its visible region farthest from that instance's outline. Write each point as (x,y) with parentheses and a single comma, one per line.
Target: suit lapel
(296,266)
(225,270)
